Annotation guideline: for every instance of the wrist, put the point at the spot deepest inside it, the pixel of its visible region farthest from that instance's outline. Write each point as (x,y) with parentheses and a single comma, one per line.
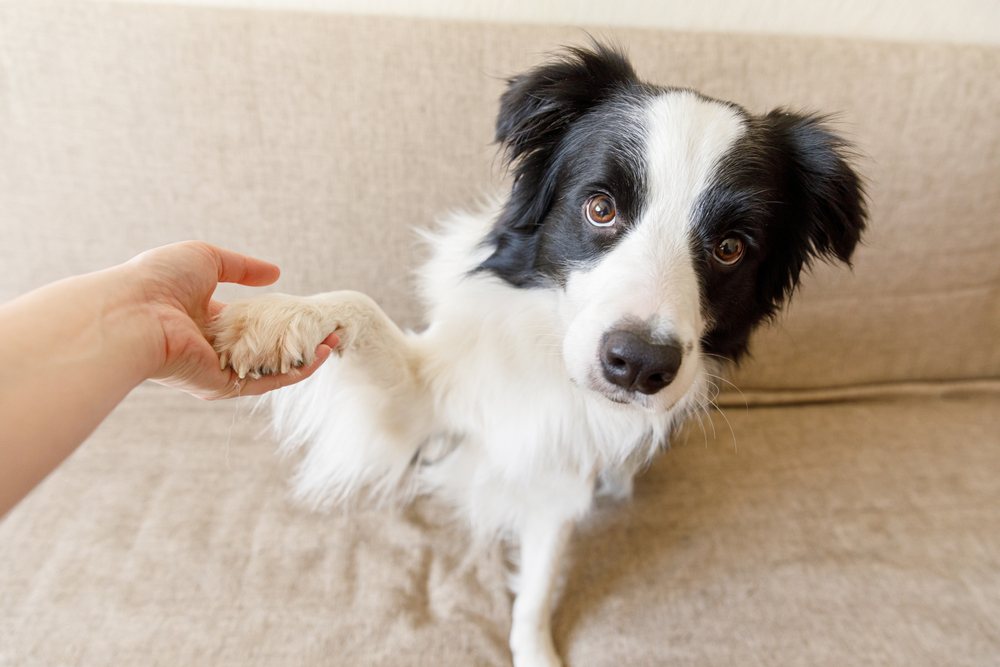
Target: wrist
(129,322)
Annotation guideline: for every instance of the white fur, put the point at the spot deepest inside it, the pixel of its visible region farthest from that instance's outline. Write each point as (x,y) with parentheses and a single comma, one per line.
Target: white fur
(497,407)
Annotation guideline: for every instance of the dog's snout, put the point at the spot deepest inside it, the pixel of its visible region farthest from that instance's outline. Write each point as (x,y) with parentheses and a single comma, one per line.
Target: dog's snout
(634,363)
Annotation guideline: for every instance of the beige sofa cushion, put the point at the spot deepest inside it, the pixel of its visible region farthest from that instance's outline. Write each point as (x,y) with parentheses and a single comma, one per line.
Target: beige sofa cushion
(855,534)
(321,141)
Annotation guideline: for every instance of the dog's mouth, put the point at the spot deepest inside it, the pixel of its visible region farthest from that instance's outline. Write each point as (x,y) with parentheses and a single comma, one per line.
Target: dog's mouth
(618,395)
(629,398)
(613,394)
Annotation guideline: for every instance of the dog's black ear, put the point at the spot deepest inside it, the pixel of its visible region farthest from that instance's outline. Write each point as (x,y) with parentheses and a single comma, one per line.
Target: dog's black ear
(823,197)
(536,111)
(539,105)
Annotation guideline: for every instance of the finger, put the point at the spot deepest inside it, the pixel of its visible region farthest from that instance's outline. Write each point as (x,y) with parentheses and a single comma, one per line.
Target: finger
(256,387)
(234,267)
(332,341)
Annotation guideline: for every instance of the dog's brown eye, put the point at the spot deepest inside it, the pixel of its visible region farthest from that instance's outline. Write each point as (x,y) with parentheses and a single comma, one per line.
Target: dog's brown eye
(729,251)
(600,211)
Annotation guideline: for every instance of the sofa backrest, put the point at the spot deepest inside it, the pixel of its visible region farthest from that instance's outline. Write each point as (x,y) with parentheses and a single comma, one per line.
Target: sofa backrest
(322,141)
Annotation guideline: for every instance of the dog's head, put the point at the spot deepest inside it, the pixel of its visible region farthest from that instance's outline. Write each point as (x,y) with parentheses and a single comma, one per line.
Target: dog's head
(672,223)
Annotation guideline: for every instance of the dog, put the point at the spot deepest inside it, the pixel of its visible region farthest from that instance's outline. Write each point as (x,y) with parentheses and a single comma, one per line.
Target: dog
(574,323)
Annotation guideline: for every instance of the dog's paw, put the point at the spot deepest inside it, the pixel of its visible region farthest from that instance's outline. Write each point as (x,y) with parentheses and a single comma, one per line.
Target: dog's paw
(267,335)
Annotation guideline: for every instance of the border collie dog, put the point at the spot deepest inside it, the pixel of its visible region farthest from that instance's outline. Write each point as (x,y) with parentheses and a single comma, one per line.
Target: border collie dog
(573,324)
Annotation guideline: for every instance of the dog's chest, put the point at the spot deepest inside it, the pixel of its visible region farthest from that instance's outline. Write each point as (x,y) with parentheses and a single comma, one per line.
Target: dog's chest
(520,409)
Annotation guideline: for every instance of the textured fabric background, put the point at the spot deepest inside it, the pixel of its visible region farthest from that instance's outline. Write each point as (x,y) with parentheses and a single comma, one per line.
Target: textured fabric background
(321,141)
(864,532)
(828,535)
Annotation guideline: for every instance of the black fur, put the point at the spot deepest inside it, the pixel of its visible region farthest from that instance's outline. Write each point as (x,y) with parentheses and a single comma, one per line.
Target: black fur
(572,127)
(787,189)
(566,133)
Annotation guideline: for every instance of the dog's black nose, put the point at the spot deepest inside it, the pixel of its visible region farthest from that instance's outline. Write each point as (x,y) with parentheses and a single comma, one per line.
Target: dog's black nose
(633,363)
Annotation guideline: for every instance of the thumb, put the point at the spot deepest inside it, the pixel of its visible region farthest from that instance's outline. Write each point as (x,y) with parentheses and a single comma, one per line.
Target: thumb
(234,267)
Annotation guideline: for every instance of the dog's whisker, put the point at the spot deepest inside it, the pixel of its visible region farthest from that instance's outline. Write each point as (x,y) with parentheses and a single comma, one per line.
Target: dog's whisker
(711,422)
(746,403)
(702,409)
(732,432)
(701,425)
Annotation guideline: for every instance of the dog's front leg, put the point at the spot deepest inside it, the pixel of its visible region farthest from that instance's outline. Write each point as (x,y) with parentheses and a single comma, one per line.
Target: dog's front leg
(364,417)
(617,481)
(543,543)
(277,332)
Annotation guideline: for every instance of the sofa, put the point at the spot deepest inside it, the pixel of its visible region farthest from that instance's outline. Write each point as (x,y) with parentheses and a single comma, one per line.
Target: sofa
(842,507)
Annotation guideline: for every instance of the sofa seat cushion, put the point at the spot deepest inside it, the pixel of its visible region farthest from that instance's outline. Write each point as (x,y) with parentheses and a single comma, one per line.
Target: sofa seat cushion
(853,533)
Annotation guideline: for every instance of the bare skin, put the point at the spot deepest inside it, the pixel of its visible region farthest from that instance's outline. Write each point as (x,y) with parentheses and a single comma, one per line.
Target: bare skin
(72,350)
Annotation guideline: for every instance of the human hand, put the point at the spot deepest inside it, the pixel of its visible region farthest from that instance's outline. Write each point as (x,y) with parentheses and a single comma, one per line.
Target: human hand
(173,286)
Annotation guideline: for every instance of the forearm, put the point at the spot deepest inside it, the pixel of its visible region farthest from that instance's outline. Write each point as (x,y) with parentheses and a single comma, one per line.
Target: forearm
(69,352)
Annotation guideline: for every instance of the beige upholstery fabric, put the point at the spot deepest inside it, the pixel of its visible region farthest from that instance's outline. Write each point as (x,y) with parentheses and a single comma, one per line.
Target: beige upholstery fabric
(858,530)
(322,141)
(855,534)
